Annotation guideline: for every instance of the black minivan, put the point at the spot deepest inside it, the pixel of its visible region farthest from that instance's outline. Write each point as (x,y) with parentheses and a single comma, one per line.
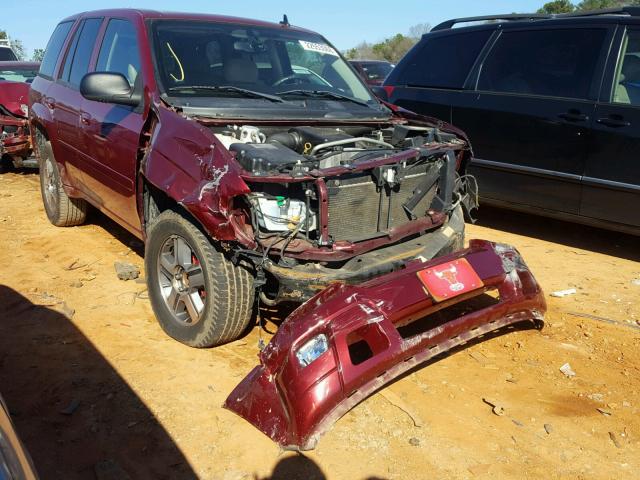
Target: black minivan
(551,104)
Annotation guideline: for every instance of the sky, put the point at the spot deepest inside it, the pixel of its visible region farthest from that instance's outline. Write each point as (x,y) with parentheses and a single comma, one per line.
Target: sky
(344,23)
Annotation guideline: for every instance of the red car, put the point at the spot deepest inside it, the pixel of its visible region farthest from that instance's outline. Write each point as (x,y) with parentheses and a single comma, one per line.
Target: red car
(373,72)
(15,141)
(255,163)
(248,155)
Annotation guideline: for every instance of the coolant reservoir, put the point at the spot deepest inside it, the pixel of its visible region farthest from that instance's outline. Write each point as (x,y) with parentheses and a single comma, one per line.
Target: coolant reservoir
(282,214)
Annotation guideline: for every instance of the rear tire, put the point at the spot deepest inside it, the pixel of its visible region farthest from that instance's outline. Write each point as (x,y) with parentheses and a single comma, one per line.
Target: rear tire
(61,210)
(199,297)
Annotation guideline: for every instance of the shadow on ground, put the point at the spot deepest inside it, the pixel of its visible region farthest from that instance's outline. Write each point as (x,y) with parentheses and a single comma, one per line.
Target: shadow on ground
(557,231)
(78,418)
(299,467)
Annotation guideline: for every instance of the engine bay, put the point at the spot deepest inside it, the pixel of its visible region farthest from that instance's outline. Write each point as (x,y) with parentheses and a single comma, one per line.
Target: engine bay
(331,185)
(298,150)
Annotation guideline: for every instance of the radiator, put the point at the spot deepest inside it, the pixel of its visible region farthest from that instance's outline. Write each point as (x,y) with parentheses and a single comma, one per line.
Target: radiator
(359,209)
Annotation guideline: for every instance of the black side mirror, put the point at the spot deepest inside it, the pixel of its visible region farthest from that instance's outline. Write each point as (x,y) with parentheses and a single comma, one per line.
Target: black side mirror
(380,92)
(109,87)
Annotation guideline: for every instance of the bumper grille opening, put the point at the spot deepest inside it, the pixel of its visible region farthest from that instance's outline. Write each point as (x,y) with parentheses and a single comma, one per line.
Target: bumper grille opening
(447,314)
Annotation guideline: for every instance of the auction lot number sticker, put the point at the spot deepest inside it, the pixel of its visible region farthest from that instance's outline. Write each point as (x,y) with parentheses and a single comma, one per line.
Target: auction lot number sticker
(318,47)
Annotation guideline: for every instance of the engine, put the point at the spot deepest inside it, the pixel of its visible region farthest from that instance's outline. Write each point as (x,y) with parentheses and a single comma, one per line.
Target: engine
(362,204)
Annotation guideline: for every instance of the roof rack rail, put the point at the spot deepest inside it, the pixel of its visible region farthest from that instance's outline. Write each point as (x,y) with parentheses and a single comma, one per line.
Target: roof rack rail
(630,11)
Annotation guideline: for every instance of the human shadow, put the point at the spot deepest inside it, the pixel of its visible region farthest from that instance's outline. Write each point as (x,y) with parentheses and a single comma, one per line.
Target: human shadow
(299,467)
(76,415)
(558,231)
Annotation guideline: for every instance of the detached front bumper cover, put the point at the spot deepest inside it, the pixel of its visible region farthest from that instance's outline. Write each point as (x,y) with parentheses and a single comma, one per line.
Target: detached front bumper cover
(351,340)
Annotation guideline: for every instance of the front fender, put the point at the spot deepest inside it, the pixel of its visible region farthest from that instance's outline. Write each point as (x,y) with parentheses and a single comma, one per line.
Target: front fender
(190,165)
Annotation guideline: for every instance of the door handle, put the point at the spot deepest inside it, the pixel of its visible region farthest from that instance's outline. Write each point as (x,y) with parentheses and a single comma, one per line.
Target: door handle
(574,116)
(615,122)
(85,118)
(49,102)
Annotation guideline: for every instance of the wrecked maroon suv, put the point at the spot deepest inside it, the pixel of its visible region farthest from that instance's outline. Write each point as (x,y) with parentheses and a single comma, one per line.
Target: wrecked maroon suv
(15,141)
(249,156)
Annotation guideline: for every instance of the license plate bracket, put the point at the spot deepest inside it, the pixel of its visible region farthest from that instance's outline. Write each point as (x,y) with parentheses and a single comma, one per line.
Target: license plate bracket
(450,279)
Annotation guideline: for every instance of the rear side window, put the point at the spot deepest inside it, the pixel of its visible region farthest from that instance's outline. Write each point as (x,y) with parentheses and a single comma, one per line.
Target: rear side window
(442,62)
(76,64)
(53,49)
(558,63)
(119,50)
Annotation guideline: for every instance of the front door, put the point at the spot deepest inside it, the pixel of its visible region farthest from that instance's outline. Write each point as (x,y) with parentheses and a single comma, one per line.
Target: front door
(612,174)
(112,132)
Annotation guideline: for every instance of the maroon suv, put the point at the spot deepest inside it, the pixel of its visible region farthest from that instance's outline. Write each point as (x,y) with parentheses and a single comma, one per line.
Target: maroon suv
(248,155)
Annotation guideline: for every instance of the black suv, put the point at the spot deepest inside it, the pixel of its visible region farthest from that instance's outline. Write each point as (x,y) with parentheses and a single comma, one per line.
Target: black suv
(551,103)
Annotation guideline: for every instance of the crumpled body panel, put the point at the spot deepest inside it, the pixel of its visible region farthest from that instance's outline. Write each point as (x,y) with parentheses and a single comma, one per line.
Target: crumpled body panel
(12,96)
(376,331)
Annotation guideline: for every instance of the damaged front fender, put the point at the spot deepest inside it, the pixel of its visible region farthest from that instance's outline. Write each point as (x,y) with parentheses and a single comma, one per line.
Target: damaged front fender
(349,341)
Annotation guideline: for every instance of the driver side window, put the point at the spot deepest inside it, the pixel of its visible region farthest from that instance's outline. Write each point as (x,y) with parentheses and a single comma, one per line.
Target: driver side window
(119,51)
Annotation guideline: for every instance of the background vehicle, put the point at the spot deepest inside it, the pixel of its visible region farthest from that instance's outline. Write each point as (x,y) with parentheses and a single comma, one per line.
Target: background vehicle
(15,462)
(372,71)
(6,52)
(247,154)
(550,102)
(15,141)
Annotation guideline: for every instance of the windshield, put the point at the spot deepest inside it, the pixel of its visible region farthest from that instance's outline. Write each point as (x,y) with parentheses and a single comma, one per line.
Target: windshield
(196,58)
(18,75)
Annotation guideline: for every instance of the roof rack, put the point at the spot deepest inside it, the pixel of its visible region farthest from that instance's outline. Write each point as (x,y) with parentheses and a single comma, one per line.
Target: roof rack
(5,42)
(630,11)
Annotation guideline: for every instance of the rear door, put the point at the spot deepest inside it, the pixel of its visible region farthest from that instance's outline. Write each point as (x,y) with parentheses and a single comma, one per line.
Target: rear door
(66,95)
(529,117)
(112,132)
(611,189)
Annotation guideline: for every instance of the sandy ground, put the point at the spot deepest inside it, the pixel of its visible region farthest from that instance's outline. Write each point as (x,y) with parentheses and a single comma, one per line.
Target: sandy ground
(96,388)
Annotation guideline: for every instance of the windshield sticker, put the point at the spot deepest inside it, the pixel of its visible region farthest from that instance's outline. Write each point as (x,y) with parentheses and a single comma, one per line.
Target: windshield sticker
(318,47)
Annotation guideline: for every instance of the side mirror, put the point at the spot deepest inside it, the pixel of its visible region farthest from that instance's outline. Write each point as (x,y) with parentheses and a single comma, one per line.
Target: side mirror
(380,92)
(109,87)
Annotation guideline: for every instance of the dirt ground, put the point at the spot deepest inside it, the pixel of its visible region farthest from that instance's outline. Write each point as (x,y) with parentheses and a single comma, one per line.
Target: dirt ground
(97,389)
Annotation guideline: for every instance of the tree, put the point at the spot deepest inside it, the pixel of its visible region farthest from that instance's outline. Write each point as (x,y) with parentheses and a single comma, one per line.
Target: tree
(557,6)
(38,54)
(394,48)
(418,30)
(18,49)
(16,45)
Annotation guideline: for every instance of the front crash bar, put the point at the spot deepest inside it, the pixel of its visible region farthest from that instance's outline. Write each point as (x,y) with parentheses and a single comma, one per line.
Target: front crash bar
(375,332)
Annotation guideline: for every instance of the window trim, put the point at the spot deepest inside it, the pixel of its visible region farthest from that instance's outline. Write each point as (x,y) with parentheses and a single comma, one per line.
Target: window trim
(599,70)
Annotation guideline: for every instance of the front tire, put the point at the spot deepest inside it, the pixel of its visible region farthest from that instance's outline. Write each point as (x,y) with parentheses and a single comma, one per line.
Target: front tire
(199,297)
(62,211)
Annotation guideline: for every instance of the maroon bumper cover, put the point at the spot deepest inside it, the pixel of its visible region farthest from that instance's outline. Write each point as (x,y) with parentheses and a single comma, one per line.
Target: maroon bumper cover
(367,335)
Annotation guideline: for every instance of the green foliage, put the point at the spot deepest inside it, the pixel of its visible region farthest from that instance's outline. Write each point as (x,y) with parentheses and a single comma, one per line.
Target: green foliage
(391,49)
(565,6)
(557,6)
(38,54)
